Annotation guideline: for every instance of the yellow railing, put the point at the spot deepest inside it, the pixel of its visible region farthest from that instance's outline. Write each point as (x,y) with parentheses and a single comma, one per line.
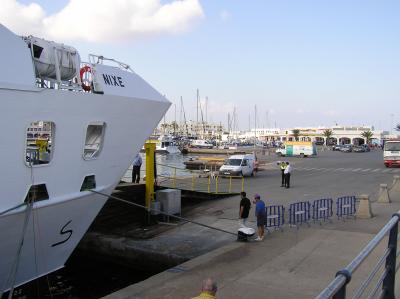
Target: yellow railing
(198,181)
(204,183)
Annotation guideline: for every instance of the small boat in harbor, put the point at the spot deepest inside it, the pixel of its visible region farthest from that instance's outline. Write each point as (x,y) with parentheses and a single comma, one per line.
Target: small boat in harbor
(167,145)
(74,127)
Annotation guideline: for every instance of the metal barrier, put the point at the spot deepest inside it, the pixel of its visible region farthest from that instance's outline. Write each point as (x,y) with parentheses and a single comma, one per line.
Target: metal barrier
(345,206)
(385,282)
(322,209)
(299,213)
(275,217)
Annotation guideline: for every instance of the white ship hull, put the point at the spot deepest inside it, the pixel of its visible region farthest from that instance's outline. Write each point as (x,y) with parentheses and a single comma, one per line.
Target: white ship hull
(65,173)
(129,110)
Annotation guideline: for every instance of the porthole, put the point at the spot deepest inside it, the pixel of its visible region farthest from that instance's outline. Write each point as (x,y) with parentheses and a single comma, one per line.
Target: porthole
(94,140)
(39,147)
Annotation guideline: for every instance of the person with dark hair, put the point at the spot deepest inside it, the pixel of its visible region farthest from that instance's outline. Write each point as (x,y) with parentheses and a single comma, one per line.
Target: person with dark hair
(208,289)
(244,209)
(137,163)
(282,166)
(288,171)
(260,216)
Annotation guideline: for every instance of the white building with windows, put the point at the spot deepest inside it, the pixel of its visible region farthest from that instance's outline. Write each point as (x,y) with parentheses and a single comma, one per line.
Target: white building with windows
(340,134)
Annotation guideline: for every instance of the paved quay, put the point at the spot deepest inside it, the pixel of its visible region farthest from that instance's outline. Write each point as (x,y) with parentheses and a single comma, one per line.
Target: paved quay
(295,263)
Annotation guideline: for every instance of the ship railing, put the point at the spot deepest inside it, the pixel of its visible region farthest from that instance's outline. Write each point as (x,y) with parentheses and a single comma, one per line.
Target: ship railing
(100,59)
(386,268)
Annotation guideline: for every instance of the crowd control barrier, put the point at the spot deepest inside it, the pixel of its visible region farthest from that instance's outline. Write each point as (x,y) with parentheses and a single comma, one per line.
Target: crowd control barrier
(322,209)
(299,213)
(275,217)
(345,206)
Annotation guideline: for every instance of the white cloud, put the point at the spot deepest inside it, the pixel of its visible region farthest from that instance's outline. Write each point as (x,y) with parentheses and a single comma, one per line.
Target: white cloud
(225,15)
(102,20)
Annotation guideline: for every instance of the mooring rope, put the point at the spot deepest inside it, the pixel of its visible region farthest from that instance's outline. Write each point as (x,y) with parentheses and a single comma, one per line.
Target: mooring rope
(161,212)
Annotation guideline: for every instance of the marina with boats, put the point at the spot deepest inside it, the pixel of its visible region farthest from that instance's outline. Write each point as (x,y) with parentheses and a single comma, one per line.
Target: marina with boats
(257,157)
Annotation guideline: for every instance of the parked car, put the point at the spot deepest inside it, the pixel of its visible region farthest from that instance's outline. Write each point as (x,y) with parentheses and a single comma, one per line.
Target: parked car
(337,147)
(348,148)
(366,147)
(359,149)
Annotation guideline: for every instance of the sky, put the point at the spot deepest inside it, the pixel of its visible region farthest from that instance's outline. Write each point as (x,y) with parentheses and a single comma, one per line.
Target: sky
(297,63)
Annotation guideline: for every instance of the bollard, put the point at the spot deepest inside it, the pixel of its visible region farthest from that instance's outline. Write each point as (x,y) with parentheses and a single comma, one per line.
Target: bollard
(383,194)
(394,192)
(364,210)
(396,183)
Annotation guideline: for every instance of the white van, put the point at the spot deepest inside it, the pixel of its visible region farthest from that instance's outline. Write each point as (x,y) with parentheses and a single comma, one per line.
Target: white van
(239,165)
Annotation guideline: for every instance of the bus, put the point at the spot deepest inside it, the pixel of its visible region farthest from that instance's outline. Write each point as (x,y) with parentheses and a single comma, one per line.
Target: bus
(391,153)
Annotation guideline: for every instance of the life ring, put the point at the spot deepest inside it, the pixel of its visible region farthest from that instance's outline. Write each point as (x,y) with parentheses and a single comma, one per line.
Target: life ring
(86,79)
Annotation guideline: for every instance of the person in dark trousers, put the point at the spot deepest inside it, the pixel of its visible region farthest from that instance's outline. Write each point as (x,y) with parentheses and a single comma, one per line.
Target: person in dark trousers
(244,209)
(260,214)
(282,166)
(288,171)
(137,163)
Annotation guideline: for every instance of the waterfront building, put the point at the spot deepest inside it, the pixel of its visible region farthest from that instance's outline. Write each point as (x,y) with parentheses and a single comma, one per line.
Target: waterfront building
(340,134)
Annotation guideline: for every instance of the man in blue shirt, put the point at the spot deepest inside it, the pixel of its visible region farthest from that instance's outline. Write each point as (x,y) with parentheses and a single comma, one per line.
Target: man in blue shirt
(260,216)
(137,163)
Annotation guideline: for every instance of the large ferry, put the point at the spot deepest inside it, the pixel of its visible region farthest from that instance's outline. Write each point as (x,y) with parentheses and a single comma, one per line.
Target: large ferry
(72,127)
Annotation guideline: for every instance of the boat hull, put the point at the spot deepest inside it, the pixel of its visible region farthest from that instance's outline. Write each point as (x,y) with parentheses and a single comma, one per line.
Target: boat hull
(128,123)
(52,233)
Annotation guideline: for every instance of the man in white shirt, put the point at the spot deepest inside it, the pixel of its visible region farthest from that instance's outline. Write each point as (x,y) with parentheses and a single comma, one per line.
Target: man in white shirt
(287,172)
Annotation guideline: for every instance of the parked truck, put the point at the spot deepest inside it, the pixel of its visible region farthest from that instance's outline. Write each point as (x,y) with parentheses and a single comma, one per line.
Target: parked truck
(391,153)
(297,148)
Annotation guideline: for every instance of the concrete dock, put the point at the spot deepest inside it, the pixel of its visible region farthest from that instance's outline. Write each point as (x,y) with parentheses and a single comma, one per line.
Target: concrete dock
(295,263)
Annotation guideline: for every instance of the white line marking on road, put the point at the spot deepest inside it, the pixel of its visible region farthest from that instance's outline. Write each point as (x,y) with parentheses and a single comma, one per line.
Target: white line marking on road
(347,169)
(365,170)
(339,169)
(375,170)
(357,169)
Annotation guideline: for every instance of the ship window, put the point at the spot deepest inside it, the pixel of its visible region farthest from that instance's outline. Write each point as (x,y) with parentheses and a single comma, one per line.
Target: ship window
(37,51)
(88,183)
(37,193)
(39,146)
(94,140)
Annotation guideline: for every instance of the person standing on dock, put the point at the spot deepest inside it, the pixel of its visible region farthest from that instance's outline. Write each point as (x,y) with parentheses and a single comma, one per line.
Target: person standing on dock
(137,163)
(260,216)
(244,209)
(208,289)
(288,171)
(282,166)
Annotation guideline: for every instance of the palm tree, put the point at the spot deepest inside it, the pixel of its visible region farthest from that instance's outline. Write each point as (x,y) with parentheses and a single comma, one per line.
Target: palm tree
(328,134)
(296,134)
(367,135)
